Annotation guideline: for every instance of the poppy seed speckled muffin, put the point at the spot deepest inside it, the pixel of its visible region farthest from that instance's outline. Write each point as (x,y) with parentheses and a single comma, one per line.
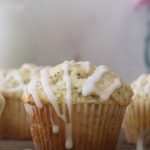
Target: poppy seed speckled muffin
(13,123)
(137,115)
(76,105)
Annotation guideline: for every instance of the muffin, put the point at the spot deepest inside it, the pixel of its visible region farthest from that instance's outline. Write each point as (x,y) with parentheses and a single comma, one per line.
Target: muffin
(137,115)
(76,105)
(13,123)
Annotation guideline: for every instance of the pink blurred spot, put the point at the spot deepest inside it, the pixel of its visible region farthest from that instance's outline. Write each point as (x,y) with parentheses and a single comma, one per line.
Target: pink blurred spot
(138,3)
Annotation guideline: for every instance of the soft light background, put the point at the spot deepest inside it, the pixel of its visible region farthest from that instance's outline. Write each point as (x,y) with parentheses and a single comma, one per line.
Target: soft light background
(101,31)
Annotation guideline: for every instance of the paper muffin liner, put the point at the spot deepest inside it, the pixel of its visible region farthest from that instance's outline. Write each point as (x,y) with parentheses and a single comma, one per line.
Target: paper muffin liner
(95,126)
(13,122)
(137,119)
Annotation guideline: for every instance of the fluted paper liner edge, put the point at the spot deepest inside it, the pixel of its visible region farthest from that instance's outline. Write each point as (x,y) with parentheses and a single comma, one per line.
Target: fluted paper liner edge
(95,126)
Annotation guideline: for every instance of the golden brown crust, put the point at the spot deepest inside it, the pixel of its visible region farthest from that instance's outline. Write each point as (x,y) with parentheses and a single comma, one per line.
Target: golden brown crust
(78,75)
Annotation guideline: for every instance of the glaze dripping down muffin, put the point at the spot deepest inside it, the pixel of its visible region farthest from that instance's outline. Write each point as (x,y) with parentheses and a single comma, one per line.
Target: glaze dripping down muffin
(87,82)
(64,88)
(13,121)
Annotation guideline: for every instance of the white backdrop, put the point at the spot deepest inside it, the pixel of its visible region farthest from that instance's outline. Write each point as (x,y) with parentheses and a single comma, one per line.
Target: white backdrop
(102,31)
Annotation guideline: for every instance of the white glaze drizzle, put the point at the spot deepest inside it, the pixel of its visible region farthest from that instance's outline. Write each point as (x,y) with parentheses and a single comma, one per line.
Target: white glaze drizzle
(66,77)
(104,95)
(48,90)
(55,127)
(90,84)
(30,112)
(69,141)
(29,109)
(53,101)
(147,86)
(138,84)
(86,66)
(32,91)
(88,88)
(142,85)
(50,95)
(16,75)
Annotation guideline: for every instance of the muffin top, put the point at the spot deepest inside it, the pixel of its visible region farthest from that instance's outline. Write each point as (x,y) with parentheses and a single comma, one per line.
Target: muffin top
(76,82)
(141,86)
(12,81)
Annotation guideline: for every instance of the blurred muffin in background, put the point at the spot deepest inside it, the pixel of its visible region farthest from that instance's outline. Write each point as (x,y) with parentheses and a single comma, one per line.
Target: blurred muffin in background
(13,123)
(137,116)
(2,104)
(76,105)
